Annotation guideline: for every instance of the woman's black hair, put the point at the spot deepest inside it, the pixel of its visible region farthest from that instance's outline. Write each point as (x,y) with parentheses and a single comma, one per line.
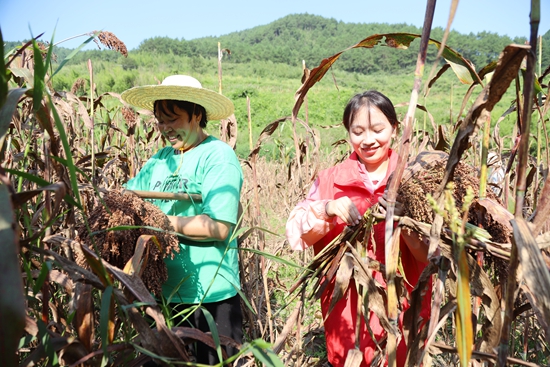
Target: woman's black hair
(366,99)
(167,107)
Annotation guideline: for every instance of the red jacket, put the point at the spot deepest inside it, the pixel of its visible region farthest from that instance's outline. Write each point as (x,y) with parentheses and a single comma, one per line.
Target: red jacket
(344,180)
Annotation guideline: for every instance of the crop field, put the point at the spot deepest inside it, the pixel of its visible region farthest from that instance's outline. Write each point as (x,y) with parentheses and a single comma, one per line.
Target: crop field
(82,260)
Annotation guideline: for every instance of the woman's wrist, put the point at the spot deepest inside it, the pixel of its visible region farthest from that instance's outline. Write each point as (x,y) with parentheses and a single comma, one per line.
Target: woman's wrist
(174,222)
(326,208)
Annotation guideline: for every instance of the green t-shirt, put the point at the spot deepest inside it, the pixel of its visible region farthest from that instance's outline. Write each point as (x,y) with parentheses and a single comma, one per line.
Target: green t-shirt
(207,271)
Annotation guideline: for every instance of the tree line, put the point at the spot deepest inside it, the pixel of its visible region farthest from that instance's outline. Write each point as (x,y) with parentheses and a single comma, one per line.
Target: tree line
(311,38)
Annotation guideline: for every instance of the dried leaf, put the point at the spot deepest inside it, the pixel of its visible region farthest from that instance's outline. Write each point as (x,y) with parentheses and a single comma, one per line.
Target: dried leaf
(441,71)
(535,272)
(82,111)
(543,208)
(75,272)
(266,132)
(138,262)
(84,316)
(411,320)
(462,67)
(169,344)
(39,353)
(343,277)
(442,141)
(506,71)
(354,358)
(497,212)
(543,240)
(229,130)
(375,301)
(192,334)
(132,283)
(481,286)
(289,325)
(72,353)
(59,188)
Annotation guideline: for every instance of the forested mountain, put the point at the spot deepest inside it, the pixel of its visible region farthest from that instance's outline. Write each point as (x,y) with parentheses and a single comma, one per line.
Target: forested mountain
(298,37)
(311,38)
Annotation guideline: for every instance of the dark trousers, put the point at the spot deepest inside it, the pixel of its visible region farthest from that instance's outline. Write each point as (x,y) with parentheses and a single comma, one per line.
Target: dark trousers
(229,321)
(228,317)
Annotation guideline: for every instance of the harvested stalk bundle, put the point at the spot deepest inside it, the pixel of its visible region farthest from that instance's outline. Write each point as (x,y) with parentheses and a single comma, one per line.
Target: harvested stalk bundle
(344,260)
(117,246)
(424,176)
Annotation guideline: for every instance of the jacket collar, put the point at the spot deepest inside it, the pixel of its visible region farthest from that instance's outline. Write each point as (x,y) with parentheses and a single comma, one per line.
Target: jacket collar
(351,177)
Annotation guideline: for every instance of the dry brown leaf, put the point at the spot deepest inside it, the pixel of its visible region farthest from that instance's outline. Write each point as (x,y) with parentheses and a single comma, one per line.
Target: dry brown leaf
(354,358)
(84,316)
(535,271)
(341,284)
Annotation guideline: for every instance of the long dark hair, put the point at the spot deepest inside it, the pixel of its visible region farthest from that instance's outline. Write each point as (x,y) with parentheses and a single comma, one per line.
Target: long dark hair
(167,107)
(366,99)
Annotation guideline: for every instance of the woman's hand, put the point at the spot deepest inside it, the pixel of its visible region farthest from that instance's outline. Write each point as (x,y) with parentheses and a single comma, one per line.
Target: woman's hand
(417,244)
(344,209)
(398,209)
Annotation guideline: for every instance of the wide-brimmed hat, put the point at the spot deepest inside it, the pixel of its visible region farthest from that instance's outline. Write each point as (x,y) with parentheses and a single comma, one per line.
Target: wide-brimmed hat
(181,88)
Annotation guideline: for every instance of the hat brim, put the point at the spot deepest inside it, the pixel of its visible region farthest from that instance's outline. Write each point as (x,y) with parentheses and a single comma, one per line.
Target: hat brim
(216,105)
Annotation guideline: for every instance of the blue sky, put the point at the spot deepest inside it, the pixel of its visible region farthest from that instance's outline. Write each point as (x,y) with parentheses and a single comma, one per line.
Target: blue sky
(135,21)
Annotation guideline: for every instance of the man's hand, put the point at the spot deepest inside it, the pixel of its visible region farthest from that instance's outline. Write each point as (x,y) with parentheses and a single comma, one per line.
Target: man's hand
(344,209)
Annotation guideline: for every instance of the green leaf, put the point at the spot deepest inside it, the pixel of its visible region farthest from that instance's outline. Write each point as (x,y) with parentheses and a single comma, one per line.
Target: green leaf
(44,271)
(272,257)
(27,176)
(24,341)
(267,357)
(104,313)
(6,112)
(177,288)
(72,54)
(49,56)
(213,330)
(243,297)
(3,77)
(46,341)
(39,76)
(67,148)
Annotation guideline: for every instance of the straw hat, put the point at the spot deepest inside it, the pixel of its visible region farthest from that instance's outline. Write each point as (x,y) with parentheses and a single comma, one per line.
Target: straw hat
(181,88)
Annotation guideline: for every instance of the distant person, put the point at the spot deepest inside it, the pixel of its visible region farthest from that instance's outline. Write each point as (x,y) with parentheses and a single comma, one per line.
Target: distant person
(339,197)
(206,269)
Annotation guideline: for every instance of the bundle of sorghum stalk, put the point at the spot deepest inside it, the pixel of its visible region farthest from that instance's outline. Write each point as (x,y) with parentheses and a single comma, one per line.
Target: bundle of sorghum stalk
(424,177)
(117,246)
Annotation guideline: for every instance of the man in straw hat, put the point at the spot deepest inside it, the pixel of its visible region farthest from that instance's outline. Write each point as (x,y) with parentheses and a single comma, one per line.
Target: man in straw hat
(206,269)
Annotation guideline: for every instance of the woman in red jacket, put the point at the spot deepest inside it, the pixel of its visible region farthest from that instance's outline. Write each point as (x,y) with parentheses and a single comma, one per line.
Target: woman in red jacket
(340,196)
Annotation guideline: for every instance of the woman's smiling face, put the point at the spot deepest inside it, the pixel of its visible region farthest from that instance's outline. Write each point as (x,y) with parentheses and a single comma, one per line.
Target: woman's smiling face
(370,134)
(178,129)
